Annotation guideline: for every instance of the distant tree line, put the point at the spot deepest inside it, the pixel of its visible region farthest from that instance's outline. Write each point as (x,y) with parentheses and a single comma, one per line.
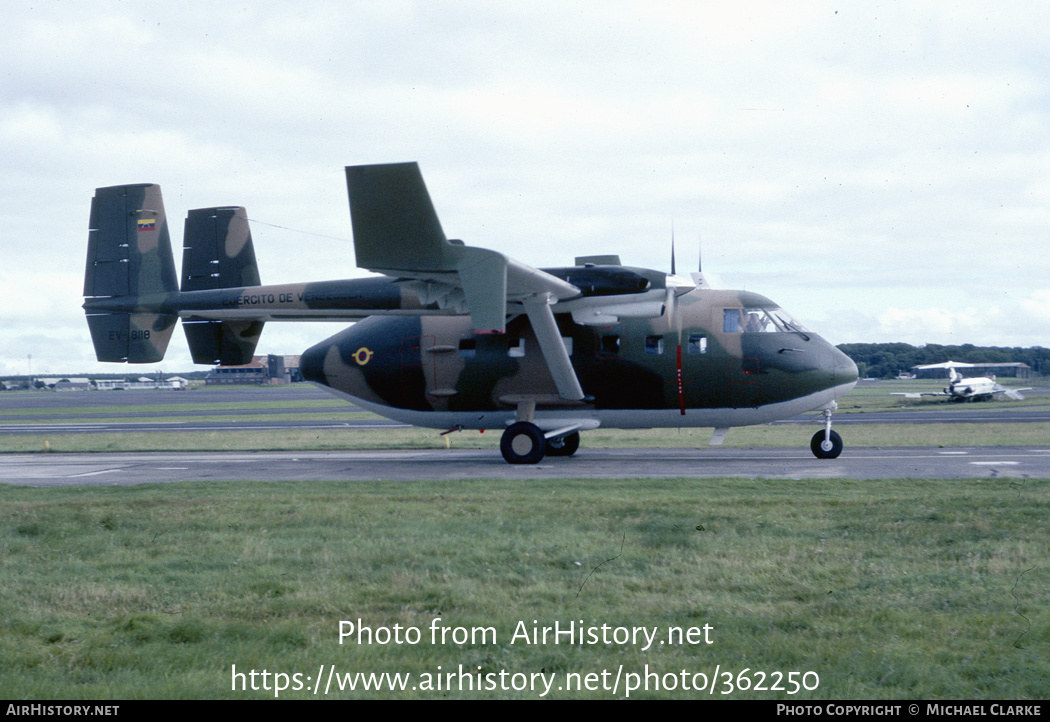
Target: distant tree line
(886,360)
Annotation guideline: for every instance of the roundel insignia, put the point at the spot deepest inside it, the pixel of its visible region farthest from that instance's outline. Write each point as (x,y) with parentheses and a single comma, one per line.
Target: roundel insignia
(363,355)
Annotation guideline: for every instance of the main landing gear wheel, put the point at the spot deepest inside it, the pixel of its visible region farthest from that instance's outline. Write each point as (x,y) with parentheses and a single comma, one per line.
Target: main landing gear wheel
(565,446)
(523,443)
(826,448)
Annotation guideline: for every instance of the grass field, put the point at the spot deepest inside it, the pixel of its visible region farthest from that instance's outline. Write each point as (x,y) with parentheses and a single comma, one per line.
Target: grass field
(892,589)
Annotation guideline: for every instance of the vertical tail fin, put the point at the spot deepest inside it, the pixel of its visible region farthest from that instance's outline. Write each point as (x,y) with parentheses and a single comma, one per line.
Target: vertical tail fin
(218,253)
(129,257)
(217,250)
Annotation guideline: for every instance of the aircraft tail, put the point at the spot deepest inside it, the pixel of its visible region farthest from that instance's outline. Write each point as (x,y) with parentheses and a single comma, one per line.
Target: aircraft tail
(131,287)
(218,253)
(129,258)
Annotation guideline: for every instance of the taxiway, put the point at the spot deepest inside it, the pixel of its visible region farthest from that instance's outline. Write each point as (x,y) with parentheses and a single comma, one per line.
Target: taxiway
(455,464)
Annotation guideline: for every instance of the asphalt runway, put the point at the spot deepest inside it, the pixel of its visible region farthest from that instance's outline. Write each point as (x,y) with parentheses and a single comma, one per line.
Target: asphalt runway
(432,465)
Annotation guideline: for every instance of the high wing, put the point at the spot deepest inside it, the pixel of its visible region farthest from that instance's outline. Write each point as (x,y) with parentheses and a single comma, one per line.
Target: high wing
(397,233)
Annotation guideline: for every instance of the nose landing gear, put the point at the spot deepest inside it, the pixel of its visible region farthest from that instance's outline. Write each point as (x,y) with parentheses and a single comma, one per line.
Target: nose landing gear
(826,444)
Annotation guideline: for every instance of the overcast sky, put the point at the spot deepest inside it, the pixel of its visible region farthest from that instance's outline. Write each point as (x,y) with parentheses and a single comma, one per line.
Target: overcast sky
(881,170)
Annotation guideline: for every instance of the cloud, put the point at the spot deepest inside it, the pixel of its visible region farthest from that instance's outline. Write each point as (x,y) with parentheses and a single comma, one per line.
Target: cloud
(1020,324)
(879,169)
(1037,304)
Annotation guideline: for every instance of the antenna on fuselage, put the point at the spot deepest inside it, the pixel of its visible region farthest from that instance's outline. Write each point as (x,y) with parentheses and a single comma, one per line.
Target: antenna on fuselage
(698,276)
(672,248)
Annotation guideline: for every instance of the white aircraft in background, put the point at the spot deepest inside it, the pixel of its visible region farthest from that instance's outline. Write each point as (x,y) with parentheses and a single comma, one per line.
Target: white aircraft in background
(978,388)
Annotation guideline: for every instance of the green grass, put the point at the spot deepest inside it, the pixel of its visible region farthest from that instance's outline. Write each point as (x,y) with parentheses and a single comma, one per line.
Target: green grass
(903,589)
(163,411)
(886,589)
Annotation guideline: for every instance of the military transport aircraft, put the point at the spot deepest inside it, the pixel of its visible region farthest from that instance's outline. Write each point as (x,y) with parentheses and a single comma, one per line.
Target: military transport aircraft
(458,337)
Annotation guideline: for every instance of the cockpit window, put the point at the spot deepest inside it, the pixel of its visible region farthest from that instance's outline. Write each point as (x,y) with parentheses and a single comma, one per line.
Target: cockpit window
(759,320)
(784,320)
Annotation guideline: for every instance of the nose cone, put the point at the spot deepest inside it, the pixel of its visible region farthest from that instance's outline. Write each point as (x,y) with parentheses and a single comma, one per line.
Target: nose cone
(376,360)
(845,371)
(311,363)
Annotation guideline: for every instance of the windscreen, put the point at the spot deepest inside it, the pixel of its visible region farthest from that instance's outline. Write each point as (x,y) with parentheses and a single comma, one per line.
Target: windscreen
(759,320)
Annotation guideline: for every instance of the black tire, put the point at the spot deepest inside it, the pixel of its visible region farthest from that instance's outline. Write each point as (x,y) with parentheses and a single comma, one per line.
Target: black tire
(816,446)
(565,446)
(523,443)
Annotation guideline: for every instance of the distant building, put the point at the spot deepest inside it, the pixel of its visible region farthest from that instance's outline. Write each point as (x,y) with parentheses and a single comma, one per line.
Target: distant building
(291,365)
(176,383)
(71,384)
(263,370)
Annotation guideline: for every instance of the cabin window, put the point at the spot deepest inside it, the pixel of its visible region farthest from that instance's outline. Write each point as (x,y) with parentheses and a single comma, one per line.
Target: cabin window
(468,347)
(697,343)
(731,320)
(516,347)
(611,344)
(654,344)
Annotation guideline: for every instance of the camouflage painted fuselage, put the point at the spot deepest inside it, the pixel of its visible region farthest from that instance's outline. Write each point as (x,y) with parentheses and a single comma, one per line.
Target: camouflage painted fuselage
(435,371)
(454,336)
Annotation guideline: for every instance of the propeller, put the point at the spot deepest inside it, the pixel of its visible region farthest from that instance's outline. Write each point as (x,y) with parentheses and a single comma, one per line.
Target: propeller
(676,286)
